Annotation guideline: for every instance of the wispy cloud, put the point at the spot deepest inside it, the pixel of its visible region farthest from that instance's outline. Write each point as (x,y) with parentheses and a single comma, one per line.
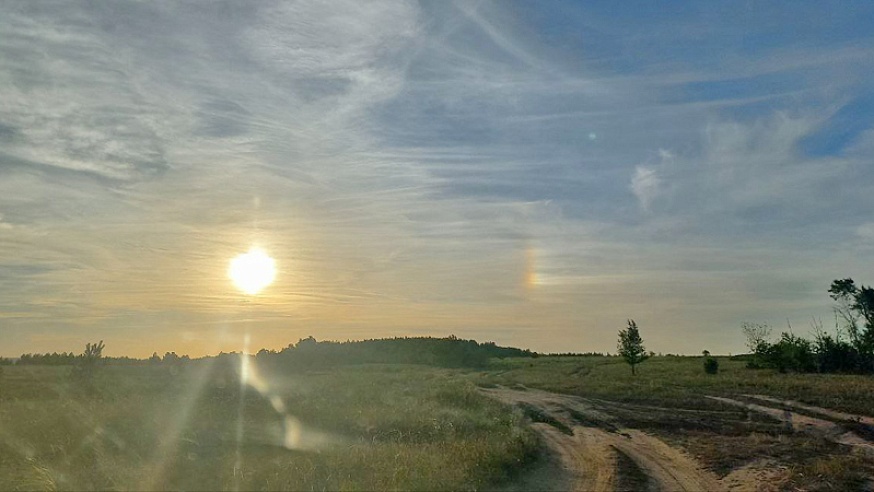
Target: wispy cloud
(866,231)
(645,184)
(413,165)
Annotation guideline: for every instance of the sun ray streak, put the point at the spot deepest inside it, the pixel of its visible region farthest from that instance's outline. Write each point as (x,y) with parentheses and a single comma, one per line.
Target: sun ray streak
(169,441)
(244,379)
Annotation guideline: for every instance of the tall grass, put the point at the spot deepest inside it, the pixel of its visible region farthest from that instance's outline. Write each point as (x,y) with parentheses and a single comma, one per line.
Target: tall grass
(357,428)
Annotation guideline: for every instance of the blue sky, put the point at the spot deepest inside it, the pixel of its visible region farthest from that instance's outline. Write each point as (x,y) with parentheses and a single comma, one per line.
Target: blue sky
(532,173)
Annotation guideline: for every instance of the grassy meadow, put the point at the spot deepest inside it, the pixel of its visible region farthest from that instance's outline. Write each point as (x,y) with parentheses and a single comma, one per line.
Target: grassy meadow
(679,381)
(383,426)
(356,428)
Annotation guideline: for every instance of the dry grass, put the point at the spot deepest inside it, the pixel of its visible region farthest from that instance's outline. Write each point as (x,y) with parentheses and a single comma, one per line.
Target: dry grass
(361,428)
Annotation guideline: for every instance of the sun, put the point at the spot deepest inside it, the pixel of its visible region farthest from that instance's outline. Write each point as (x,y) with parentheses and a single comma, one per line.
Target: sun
(252,271)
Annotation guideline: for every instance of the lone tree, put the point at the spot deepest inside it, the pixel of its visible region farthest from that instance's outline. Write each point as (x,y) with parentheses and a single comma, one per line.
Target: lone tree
(631,346)
(87,363)
(757,335)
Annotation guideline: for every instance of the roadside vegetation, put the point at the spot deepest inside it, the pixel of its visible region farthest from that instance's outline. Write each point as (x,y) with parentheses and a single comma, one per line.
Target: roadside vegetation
(192,426)
(849,348)
(678,381)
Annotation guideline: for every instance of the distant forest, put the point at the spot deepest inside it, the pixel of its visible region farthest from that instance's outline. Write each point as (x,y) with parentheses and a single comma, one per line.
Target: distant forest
(309,353)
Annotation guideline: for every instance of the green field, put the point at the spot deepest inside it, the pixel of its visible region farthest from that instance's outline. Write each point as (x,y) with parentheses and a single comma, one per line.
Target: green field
(384,426)
(358,428)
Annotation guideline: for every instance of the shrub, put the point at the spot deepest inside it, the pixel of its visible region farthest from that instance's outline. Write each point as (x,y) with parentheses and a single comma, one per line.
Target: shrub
(791,353)
(836,355)
(711,365)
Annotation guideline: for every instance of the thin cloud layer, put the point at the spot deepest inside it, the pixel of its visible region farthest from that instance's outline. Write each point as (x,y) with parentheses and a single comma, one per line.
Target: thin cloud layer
(533,174)
(645,184)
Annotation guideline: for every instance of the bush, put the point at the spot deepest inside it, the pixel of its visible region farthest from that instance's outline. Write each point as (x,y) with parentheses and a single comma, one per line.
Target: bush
(711,365)
(836,355)
(791,353)
(826,353)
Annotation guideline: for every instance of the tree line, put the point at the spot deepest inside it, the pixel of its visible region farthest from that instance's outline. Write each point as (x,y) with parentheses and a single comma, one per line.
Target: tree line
(309,353)
(442,352)
(68,359)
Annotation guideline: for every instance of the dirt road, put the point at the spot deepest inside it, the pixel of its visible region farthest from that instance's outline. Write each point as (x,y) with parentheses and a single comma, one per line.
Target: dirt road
(592,450)
(598,455)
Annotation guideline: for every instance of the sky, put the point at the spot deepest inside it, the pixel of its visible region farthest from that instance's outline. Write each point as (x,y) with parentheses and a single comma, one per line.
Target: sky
(530,173)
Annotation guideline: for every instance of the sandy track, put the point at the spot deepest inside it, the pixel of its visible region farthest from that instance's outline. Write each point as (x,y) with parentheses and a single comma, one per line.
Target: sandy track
(833,414)
(804,423)
(589,452)
(586,457)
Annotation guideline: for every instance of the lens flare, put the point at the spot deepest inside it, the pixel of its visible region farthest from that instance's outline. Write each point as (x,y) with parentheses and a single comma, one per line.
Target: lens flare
(295,435)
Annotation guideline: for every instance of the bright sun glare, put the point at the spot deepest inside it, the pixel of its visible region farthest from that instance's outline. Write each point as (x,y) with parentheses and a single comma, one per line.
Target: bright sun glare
(252,271)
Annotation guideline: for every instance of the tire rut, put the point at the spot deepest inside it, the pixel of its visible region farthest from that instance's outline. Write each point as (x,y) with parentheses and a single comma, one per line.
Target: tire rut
(805,423)
(590,455)
(832,414)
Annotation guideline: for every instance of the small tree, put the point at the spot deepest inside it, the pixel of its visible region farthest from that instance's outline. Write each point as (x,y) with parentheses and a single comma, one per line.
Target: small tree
(89,360)
(631,346)
(757,335)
